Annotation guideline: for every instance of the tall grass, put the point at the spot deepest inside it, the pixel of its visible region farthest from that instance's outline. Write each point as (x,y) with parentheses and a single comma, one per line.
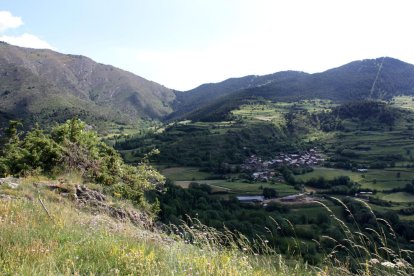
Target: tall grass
(74,242)
(68,241)
(367,251)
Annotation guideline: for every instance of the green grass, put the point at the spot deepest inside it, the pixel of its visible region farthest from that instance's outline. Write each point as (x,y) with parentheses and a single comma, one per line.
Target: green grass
(405,102)
(214,188)
(329,174)
(387,179)
(400,197)
(73,241)
(261,112)
(312,211)
(372,179)
(76,242)
(183,176)
(242,188)
(184,173)
(274,112)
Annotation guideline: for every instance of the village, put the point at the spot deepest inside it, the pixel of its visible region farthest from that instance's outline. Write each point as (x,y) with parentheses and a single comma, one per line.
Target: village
(266,170)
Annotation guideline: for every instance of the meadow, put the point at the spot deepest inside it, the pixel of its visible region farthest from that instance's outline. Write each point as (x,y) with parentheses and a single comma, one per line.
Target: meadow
(241,188)
(76,242)
(67,240)
(185,173)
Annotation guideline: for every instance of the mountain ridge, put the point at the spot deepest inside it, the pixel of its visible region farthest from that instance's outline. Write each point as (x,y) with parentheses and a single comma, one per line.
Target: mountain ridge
(44,85)
(376,79)
(75,85)
(184,100)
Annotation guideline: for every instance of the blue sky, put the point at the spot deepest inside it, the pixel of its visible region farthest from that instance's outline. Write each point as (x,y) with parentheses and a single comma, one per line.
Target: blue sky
(184,43)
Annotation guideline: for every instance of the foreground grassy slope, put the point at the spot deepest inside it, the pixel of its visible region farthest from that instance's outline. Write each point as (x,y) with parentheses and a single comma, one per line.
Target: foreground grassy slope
(61,238)
(74,241)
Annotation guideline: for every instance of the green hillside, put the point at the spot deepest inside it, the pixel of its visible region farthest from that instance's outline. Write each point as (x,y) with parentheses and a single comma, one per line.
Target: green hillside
(45,86)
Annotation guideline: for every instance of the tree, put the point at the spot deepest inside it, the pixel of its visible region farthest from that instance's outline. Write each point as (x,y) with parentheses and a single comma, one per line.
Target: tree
(269,193)
(11,153)
(409,188)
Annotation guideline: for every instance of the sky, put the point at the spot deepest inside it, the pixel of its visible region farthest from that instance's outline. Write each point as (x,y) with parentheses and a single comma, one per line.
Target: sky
(182,44)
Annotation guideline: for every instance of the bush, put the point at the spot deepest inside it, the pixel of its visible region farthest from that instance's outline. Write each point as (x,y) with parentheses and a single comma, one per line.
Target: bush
(72,147)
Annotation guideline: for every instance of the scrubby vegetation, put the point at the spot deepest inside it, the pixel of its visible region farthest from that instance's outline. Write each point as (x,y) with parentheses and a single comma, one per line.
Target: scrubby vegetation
(72,241)
(72,147)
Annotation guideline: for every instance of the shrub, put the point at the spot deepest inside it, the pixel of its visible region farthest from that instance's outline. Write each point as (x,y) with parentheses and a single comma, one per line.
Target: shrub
(71,146)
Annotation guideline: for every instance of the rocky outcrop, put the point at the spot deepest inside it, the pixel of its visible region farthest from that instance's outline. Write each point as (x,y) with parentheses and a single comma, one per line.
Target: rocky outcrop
(84,197)
(98,202)
(11,182)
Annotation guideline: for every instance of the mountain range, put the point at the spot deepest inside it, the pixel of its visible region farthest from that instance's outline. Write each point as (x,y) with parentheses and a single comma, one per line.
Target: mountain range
(45,86)
(373,79)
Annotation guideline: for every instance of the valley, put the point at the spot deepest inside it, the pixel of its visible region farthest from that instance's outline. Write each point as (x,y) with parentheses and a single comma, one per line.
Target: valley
(296,156)
(301,161)
(184,138)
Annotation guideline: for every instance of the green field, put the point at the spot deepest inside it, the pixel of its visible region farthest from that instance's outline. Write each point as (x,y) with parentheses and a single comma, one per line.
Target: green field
(275,112)
(400,197)
(329,174)
(313,211)
(405,102)
(261,112)
(185,173)
(241,188)
(385,179)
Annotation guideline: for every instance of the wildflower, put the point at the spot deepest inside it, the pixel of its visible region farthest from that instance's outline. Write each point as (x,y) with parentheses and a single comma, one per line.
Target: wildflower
(374,261)
(400,264)
(388,264)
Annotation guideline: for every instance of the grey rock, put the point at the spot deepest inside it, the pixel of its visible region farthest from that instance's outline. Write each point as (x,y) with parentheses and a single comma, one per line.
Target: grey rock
(11,182)
(13,185)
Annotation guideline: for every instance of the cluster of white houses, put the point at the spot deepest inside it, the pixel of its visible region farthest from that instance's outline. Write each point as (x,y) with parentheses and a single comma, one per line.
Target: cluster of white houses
(306,159)
(263,170)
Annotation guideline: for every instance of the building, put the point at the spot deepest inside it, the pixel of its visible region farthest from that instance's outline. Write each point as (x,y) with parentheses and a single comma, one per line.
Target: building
(250,199)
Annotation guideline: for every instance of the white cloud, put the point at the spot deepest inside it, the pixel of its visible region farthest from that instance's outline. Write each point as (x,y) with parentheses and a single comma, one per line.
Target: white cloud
(26,40)
(9,21)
